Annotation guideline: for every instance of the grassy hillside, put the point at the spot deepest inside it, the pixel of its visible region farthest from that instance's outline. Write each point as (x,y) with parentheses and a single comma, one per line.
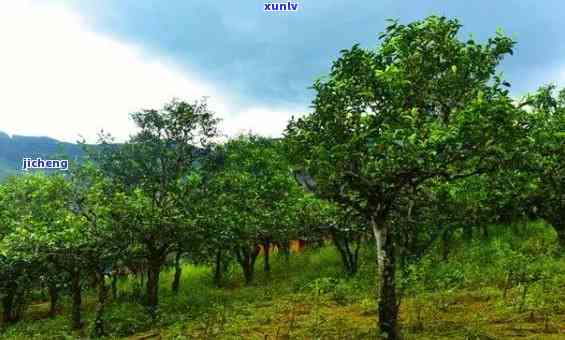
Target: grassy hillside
(309,297)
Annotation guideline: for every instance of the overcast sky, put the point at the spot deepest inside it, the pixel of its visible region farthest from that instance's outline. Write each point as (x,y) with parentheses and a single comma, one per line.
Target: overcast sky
(70,68)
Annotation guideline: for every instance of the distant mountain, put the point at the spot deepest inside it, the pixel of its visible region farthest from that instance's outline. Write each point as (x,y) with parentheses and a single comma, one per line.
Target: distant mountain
(14,149)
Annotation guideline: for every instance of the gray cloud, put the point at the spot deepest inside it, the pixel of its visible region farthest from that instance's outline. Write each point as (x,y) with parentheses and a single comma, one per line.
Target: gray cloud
(272,58)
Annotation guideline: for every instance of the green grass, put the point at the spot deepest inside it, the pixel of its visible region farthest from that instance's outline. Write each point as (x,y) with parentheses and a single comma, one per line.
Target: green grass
(309,297)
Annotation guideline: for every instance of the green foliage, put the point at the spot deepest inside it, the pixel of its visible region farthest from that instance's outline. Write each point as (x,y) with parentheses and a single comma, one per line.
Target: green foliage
(417,140)
(422,107)
(253,195)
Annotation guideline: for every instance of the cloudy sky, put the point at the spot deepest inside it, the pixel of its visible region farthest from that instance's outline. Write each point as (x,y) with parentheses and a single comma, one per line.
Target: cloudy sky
(71,68)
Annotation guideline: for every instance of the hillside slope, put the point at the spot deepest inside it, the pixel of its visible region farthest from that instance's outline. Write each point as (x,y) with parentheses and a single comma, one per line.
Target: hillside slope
(14,149)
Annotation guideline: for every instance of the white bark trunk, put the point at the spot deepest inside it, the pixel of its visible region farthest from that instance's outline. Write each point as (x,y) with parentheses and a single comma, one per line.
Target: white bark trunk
(380,234)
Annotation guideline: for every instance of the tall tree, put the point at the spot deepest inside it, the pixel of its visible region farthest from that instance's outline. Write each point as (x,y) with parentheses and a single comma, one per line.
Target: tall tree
(424,105)
(50,231)
(92,198)
(255,193)
(153,169)
(545,174)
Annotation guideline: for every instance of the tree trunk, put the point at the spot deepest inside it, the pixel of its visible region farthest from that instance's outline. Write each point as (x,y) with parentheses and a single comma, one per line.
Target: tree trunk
(344,255)
(153,272)
(142,278)
(178,272)
(246,258)
(8,306)
(348,256)
(266,250)
(53,298)
(248,273)
(445,241)
(387,300)
(561,237)
(560,229)
(218,269)
(285,250)
(77,299)
(356,256)
(114,286)
(467,233)
(484,232)
(101,303)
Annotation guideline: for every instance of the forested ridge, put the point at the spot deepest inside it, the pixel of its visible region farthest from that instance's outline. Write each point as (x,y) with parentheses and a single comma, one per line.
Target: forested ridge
(13,149)
(430,200)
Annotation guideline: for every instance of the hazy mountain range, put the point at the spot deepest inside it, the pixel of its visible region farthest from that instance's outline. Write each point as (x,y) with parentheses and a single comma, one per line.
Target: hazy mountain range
(14,149)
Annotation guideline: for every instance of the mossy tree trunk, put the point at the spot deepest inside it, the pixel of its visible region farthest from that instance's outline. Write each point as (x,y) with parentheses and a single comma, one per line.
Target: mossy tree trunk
(153,273)
(246,257)
(349,252)
(218,269)
(53,298)
(114,286)
(387,299)
(8,302)
(559,227)
(76,318)
(178,272)
(98,330)
(266,255)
